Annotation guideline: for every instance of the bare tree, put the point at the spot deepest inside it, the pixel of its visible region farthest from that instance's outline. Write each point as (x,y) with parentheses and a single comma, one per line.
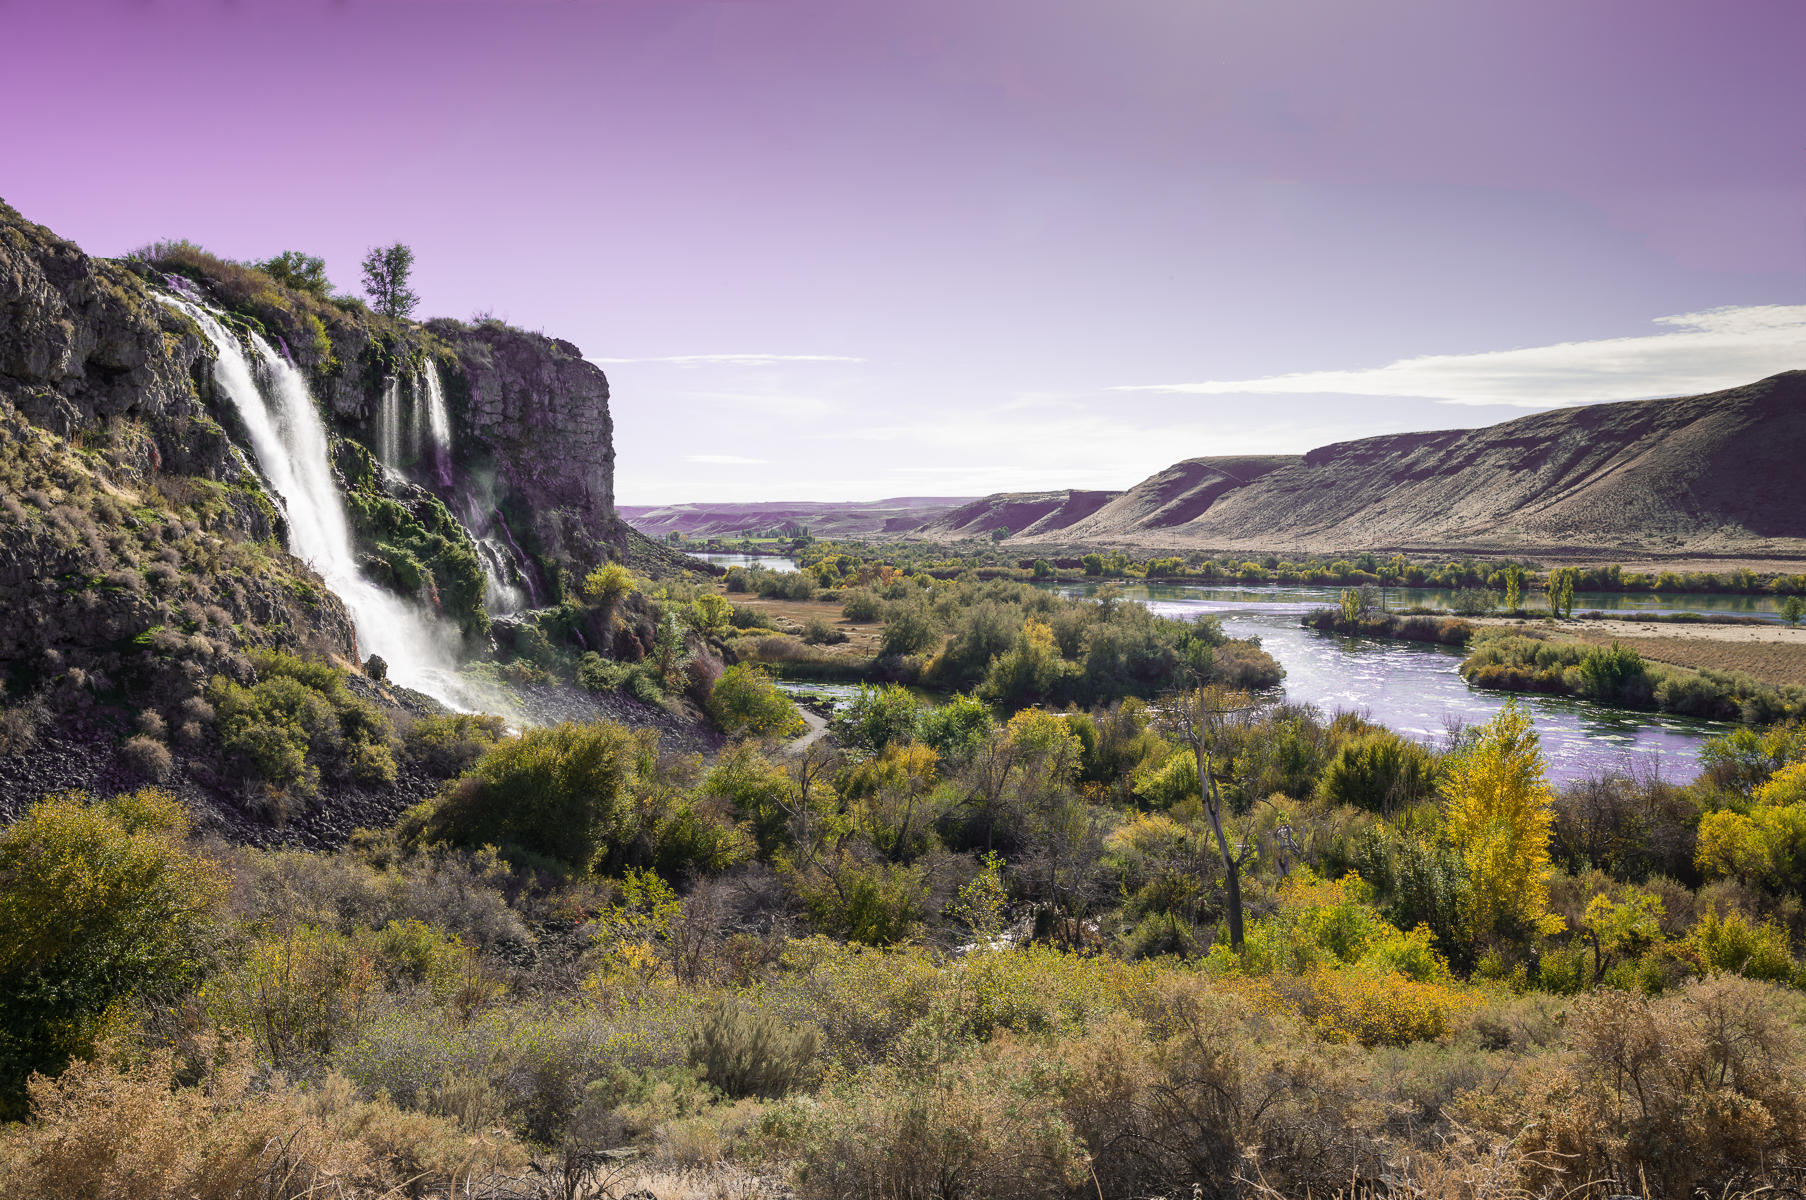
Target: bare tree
(1210,720)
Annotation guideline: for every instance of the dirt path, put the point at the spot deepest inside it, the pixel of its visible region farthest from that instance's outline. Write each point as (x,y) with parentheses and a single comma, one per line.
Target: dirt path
(818,729)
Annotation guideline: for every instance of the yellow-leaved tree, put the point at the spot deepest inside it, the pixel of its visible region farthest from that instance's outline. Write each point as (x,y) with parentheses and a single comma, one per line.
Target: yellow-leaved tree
(1499,818)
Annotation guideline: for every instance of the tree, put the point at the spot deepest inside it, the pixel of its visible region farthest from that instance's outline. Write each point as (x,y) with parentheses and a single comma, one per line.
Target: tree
(1209,720)
(1514,588)
(303,272)
(1560,589)
(1792,609)
(386,271)
(99,903)
(1500,814)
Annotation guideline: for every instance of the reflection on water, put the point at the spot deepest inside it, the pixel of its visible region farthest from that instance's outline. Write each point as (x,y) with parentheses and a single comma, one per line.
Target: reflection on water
(1416,689)
(771,562)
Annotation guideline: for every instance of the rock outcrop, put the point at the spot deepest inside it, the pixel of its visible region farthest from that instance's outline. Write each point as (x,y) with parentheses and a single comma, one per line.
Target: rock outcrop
(82,341)
(532,425)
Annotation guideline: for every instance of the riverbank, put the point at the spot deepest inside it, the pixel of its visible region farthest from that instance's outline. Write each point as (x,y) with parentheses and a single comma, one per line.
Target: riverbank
(1774,654)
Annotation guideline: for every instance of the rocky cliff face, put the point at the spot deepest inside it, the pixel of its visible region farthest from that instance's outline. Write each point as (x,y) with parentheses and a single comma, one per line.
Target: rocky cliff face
(532,429)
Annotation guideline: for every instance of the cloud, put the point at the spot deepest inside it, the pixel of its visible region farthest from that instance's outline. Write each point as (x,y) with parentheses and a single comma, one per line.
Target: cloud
(1696,352)
(732,360)
(726,460)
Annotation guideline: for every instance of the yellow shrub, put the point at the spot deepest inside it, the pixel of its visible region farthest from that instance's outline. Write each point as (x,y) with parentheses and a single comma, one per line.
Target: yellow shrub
(1375,1008)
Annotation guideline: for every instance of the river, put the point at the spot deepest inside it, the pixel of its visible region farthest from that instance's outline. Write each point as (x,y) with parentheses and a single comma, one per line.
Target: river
(771,562)
(1417,689)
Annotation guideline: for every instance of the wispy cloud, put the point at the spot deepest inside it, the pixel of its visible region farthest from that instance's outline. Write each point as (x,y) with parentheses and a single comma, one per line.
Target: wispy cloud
(725,460)
(733,360)
(1695,352)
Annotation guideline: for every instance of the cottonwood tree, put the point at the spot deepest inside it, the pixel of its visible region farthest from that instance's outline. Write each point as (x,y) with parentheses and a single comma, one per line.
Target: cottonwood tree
(386,272)
(1500,817)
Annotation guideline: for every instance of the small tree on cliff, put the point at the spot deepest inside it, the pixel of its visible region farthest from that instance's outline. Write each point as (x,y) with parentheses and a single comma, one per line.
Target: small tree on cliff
(386,271)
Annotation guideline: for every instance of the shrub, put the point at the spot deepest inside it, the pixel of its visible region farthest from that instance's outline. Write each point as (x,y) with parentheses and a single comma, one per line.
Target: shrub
(99,903)
(1380,772)
(750,1053)
(981,1124)
(909,628)
(558,791)
(878,904)
(147,758)
(744,701)
(817,632)
(878,717)
(1684,1094)
(145,1131)
(447,745)
(862,606)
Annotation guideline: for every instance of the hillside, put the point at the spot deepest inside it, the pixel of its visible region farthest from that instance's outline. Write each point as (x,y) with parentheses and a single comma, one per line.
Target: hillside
(1026,514)
(848,519)
(1711,474)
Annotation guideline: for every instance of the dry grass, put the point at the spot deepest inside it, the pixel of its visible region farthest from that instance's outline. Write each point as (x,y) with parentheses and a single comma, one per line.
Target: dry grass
(1780,663)
(789,616)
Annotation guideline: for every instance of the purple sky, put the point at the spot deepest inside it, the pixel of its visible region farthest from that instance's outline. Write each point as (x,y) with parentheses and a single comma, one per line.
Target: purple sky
(949,248)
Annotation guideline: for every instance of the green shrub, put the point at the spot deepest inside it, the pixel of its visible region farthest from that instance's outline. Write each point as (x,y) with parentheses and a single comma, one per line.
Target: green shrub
(447,745)
(561,792)
(1380,772)
(909,628)
(744,701)
(745,1052)
(99,903)
(862,606)
(817,632)
(297,724)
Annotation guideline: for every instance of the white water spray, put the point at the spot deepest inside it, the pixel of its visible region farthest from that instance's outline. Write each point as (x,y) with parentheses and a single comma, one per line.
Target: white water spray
(292,450)
(502,596)
(438,422)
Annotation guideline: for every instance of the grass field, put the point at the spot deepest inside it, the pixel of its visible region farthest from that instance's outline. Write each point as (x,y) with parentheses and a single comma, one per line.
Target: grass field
(1771,662)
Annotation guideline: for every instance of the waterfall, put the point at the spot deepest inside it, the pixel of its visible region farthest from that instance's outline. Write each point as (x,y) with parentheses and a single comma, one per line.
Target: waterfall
(388,424)
(416,419)
(438,424)
(289,442)
(501,595)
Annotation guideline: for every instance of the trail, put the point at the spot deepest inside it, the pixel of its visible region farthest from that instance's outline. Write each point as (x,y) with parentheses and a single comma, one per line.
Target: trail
(818,729)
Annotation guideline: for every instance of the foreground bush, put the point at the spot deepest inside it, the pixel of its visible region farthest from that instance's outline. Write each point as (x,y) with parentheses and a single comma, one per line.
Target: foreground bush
(106,1130)
(99,904)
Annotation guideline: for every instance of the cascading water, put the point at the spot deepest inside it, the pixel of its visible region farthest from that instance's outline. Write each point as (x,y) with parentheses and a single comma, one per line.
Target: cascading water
(438,422)
(388,424)
(501,595)
(416,419)
(289,442)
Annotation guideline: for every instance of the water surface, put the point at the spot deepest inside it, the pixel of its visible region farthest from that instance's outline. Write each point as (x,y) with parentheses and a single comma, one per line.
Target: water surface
(771,562)
(1417,690)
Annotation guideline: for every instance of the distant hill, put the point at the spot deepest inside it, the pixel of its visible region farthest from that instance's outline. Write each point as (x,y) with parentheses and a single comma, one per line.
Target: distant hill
(852,518)
(1025,513)
(1724,472)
